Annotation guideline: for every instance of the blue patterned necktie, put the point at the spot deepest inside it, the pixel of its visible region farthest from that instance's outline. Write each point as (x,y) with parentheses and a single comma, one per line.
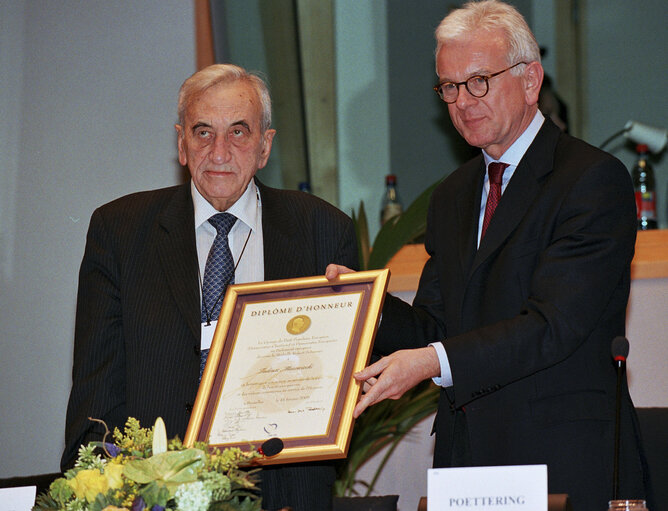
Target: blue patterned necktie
(218,273)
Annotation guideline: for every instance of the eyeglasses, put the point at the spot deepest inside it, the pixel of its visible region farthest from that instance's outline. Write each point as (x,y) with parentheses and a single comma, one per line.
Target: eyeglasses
(477,86)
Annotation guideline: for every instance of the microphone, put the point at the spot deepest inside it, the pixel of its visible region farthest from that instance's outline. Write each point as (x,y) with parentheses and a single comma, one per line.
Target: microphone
(268,449)
(271,447)
(620,351)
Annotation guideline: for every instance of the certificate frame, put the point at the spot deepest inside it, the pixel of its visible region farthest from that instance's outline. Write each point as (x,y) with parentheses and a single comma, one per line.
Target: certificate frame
(276,328)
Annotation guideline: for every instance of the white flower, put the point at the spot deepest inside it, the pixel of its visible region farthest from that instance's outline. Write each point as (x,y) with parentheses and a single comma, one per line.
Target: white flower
(192,497)
(159,437)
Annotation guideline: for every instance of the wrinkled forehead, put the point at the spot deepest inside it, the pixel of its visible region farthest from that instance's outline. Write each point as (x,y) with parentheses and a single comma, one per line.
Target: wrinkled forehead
(226,101)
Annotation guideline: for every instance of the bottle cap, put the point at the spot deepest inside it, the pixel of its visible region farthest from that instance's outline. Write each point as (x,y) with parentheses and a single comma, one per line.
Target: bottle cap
(390,179)
(641,148)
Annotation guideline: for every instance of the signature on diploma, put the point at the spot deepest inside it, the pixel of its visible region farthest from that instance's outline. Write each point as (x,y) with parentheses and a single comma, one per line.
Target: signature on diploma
(310,409)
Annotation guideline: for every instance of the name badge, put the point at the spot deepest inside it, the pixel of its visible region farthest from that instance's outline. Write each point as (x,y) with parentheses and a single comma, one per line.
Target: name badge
(207,334)
(511,488)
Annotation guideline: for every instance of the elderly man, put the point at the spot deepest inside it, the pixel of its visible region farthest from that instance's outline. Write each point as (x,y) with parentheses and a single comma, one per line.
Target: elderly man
(147,301)
(520,307)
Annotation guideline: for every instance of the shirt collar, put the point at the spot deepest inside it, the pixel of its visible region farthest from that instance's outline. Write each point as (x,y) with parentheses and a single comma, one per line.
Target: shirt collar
(246,208)
(516,151)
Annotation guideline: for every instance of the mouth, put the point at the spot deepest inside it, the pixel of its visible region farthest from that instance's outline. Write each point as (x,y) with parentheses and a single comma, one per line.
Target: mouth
(472,119)
(218,173)
(473,122)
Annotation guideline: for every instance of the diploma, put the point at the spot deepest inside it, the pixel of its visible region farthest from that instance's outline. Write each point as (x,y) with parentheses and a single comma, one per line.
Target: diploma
(281,364)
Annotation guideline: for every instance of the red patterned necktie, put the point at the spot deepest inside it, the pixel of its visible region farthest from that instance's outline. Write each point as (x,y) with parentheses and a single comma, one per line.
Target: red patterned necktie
(495,170)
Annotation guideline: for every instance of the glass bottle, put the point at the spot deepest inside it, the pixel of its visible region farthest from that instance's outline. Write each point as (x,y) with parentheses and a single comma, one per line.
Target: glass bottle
(305,186)
(391,203)
(645,191)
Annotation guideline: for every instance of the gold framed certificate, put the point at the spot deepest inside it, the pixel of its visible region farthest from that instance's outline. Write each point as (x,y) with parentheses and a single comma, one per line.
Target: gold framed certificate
(281,365)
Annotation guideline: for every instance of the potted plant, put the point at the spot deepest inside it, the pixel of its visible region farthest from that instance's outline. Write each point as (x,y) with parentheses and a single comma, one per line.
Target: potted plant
(385,424)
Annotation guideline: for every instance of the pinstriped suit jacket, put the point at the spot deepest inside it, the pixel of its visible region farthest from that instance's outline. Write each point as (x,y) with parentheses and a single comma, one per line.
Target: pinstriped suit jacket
(137,335)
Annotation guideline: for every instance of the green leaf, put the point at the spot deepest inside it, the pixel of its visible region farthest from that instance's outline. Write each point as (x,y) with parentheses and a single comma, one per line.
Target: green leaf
(168,468)
(44,502)
(237,504)
(362,232)
(400,230)
(383,424)
(154,494)
(387,422)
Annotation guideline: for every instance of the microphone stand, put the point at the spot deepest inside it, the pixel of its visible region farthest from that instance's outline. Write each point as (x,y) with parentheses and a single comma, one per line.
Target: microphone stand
(620,350)
(618,408)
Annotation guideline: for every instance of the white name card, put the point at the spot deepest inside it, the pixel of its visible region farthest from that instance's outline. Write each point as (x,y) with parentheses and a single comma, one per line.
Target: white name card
(17,499)
(508,488)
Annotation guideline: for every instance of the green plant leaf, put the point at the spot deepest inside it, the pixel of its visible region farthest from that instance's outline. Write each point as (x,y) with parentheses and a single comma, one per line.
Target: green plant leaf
(362,233)
(383,424)
(400,230)
(168,469)
(387,422)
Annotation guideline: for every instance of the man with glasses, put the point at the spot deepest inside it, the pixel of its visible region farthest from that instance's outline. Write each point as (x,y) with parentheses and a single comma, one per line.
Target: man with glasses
(527,283)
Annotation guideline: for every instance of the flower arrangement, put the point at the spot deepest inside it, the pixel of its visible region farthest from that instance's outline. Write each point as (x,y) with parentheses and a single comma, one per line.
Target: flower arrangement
(141,471)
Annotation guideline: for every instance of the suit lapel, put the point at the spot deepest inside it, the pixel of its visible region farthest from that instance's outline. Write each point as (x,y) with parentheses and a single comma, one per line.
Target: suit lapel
(520,192)
(468,211)
(178,255)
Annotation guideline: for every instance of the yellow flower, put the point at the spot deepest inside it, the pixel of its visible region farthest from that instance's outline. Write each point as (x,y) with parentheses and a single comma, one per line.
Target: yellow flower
(88,483)
(114,472)
(114,508)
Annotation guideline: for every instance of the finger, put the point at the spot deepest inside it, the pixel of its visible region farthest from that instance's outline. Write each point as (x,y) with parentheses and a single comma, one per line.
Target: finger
(362,405)
(368,384)
(334,270)
(372,370)
(375,394)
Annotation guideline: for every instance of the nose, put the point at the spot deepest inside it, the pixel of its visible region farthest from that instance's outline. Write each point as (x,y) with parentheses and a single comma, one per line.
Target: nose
(464,98)
(220,152)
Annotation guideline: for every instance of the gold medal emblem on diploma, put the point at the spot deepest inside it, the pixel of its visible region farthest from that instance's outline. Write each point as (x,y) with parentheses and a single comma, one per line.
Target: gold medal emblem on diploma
(298,325)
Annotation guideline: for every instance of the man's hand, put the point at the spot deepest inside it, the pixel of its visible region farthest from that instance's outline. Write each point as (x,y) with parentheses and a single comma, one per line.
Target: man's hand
(334,270)
(393,375)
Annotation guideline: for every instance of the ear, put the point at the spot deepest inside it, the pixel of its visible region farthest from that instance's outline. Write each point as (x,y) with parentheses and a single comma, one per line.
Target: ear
(180,133)
(533,79)
(267,140)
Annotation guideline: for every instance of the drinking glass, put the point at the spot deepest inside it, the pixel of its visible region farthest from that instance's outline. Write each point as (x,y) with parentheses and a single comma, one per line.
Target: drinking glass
(627,505)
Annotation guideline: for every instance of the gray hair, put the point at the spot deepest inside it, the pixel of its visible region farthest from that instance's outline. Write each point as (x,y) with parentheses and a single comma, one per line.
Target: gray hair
(491,15)
(224,73)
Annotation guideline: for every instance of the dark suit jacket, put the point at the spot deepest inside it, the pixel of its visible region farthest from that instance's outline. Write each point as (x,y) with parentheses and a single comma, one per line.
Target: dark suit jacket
(529,317)
(137,336)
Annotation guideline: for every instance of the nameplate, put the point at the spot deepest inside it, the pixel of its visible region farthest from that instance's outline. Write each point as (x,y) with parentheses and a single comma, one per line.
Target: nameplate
(507,488)
(17,499)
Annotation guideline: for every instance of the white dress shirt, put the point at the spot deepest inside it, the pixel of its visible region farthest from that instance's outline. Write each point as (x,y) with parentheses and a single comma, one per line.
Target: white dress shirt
(245,240)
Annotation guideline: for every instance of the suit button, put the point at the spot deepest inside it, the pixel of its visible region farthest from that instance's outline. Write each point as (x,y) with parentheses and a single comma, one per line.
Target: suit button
(189,408)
